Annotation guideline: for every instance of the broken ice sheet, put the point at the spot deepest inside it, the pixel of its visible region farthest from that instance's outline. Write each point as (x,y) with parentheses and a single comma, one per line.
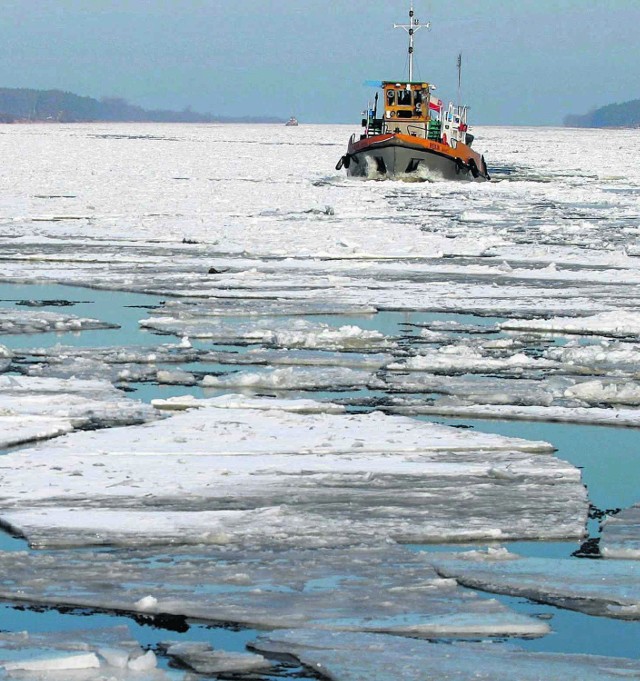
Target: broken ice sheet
(451,407)
(118,365)
(380,657)
(202,658)
(83,655)
(605,588)
(14,321)
(614,324)
(295,378)
(277,332)
(41,408)
(621,535)
(219,307)
(360,474)
(376,588)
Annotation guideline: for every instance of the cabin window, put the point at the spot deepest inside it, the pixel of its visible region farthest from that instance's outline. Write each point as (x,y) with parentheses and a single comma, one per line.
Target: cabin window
(404,98)
(418,97)
(391,97)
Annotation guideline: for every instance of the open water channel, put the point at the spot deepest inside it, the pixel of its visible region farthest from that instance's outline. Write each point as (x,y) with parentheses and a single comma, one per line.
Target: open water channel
(607,456)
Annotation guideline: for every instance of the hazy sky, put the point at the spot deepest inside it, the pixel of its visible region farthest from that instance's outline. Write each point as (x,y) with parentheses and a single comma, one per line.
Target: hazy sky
(525,61)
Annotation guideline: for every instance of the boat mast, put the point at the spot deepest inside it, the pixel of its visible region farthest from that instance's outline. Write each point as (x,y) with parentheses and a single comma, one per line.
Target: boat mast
(411,28)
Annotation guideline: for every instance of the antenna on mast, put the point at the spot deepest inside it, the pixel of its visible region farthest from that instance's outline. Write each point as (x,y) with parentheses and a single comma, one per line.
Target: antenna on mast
(411,28)
(459,76)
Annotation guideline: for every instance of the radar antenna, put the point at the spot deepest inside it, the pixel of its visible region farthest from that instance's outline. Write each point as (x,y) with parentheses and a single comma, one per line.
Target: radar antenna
(411,28)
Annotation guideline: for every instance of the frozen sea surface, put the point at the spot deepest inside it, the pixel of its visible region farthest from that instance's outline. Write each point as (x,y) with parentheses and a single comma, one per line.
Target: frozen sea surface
(240,247)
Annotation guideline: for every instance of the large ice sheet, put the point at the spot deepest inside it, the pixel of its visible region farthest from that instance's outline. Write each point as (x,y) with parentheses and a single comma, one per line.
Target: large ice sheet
(41,408)
(377,588)
(621,535)
(596,587)
(364,474)
(379,657)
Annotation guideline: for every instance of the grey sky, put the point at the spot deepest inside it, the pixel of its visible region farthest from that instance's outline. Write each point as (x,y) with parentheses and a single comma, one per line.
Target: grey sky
(525,61)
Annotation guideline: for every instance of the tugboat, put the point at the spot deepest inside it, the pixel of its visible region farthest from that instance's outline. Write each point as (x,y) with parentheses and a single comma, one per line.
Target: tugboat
(293,121)
(415,137)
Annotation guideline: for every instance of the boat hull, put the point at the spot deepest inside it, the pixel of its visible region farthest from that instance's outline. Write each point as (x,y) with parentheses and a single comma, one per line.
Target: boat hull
(397,156)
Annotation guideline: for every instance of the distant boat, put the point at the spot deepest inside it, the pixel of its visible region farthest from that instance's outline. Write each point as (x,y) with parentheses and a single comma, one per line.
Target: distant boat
(293,121)
(415,134)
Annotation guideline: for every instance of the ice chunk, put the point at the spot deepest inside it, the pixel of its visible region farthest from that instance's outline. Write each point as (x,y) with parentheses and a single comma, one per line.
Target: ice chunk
(143,663)
(5,358)
(58,663)
(596,587)
(621,535)
(378,657)
(146,603)
(91,655)
(115,657)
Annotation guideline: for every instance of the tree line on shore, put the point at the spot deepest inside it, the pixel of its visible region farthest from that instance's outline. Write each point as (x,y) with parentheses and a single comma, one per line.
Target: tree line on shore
(624,115)
(23,104)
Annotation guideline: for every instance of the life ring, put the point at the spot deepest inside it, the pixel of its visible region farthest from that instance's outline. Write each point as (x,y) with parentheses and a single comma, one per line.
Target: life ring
(444,138)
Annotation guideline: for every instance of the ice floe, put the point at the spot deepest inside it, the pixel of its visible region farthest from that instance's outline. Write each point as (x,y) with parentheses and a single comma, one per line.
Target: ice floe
(14,321)
(87,655)
(595,587)
(378,657)
(551,414)
(202,658)
(41,408)
(294,378)
(376,588)
(176,480)
(615,324)
(274,332)
(621,535)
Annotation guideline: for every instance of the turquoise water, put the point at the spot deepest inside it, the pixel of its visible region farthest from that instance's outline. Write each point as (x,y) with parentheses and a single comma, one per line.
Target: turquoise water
(609,459)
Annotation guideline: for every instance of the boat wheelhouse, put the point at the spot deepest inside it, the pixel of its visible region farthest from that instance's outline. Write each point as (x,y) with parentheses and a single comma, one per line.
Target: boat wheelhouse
(413,134)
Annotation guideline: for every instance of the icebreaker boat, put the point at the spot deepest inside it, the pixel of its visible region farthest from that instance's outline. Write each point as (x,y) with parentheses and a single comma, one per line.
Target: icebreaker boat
(415,134)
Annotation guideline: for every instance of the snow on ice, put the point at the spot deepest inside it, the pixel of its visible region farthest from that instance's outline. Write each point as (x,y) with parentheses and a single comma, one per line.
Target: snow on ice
(214,472)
